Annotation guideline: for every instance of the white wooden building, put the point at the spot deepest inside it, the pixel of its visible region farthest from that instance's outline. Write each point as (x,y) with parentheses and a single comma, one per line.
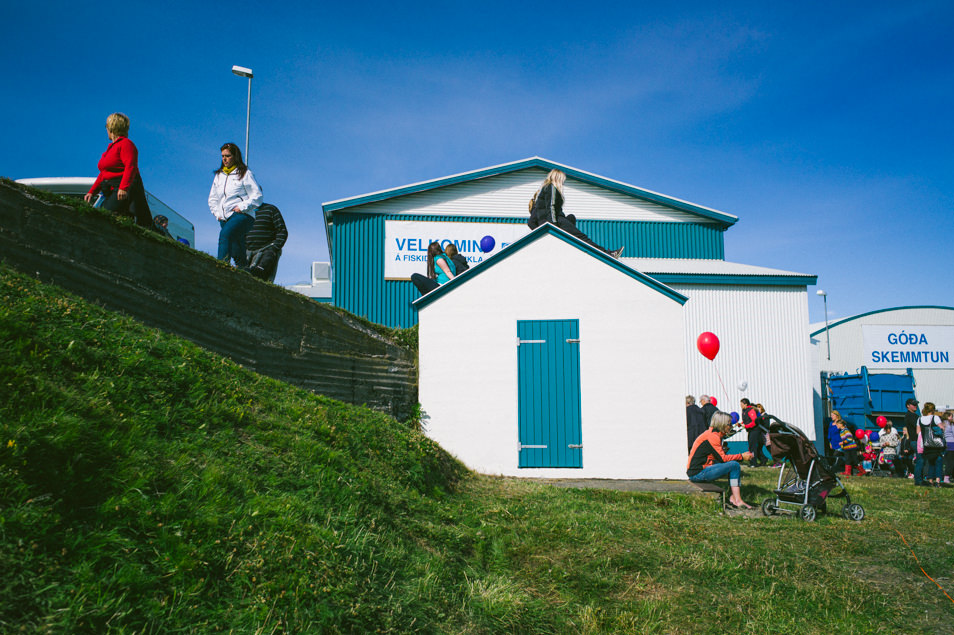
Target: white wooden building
(535,370)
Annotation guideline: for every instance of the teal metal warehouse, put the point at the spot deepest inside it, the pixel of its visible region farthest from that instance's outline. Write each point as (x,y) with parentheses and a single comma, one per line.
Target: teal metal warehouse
(647,224)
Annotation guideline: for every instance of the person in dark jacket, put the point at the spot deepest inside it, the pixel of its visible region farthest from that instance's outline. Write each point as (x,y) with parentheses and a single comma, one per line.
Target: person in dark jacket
(695,420)
(161,225)
(460,263)
(264,242)
(546,206)
(910,433)
(708,409)
(750,419)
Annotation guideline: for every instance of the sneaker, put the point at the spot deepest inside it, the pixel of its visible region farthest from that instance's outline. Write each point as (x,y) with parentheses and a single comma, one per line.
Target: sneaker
(616,253)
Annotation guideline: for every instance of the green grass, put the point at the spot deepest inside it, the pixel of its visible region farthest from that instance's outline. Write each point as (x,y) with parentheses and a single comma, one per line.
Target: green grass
(148,486)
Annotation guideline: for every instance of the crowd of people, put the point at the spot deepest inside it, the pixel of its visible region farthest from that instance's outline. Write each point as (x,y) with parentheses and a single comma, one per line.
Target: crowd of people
(251,232)
(922,450)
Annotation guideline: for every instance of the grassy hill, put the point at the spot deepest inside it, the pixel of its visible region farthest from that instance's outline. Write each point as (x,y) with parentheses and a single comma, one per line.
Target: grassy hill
(147,486)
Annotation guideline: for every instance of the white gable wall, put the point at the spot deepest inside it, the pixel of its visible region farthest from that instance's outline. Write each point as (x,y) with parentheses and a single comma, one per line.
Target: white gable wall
(507,196)
(632,364)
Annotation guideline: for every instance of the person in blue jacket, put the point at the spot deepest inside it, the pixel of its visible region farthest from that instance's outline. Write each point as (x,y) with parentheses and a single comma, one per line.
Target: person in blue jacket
(439,270)
(834,441)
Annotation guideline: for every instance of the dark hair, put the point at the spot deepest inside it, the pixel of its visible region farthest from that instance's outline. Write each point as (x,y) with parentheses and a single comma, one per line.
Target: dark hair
(240,166)
(433,250)
(746,401)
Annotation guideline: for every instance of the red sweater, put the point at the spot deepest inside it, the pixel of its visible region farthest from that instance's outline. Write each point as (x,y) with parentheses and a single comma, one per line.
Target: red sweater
(120,159)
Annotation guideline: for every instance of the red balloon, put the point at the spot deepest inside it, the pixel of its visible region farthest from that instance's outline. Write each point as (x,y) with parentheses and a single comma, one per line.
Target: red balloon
(881,421)
(708,345)
(859,434)
(713,401)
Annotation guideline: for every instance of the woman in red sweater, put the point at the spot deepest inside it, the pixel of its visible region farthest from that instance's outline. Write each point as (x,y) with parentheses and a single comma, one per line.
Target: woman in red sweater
(119,179)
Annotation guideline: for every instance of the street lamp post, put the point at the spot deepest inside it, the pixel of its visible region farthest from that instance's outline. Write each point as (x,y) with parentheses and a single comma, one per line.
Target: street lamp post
(241,71)
(827,338)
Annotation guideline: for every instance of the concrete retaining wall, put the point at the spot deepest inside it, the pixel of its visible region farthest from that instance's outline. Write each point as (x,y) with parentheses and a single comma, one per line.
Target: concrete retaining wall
(169,286)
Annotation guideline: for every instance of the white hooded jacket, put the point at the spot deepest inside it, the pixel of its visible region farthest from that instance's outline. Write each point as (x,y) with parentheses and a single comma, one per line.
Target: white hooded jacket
(229,191)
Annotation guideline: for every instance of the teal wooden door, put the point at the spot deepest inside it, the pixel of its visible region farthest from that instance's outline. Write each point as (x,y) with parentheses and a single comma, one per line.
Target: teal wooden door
(548,371)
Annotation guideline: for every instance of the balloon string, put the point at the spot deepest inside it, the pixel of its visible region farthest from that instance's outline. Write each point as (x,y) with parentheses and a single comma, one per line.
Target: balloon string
(724,391)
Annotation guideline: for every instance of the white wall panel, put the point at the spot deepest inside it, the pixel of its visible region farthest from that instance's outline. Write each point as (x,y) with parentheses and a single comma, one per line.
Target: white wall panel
(507,195)
(763,332)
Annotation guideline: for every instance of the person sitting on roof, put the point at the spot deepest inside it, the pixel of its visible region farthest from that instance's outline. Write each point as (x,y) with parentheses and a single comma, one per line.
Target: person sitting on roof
(708,461)
(546,206)
(439,270)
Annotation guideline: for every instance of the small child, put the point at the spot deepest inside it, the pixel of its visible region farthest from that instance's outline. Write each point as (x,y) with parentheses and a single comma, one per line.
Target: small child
(849,447)
(868,457)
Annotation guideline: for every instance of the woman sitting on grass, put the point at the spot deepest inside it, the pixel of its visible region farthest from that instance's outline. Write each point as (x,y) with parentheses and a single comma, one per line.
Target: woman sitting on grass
(708,460)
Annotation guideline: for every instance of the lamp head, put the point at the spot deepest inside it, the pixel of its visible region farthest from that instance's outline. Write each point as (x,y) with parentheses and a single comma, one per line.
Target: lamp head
(821,293)
(241,71)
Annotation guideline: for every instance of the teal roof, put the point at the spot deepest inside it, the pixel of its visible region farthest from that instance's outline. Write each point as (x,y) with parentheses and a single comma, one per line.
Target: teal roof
(861,315)
(726,220)
(547,229)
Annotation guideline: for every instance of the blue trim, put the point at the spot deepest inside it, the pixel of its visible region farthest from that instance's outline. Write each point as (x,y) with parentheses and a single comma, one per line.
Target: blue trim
(537,234)
(725,278)
(727,220)
(897,308)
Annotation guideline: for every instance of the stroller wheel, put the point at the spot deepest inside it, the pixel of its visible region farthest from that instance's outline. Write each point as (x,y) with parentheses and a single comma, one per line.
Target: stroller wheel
(808,513)
(768,507)
(853,512)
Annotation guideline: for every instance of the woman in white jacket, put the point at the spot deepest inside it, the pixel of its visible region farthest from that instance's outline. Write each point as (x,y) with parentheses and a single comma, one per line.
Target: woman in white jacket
(233,200)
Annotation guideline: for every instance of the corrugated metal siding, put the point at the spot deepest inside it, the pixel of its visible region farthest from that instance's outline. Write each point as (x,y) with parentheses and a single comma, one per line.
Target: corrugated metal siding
(763,333)
(359,285)
(657,240)
(507,196)
(358,240)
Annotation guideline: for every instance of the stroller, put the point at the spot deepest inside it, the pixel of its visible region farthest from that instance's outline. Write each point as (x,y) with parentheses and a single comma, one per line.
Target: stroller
(806,482)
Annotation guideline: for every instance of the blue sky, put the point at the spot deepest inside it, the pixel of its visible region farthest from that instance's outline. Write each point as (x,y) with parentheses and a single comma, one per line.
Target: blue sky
(825,127)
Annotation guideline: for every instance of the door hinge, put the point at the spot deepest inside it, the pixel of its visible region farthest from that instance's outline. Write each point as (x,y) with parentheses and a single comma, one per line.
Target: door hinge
(572,341)
(575,446)
(521,446)
(520,341)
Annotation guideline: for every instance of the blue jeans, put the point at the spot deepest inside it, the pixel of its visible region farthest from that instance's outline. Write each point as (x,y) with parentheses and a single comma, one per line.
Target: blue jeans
(918,466)
(711,473)
(232,238)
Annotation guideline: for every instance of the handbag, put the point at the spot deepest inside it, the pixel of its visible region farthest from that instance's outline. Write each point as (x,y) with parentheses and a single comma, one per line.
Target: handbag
(932,435)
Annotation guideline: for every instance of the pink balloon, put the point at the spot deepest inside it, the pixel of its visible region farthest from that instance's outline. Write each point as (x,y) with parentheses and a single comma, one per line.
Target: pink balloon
(881,421)
(713,401)
(859,434)
(708,345)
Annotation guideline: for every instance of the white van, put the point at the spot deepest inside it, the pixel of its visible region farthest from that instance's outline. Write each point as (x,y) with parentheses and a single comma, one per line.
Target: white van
(77,186)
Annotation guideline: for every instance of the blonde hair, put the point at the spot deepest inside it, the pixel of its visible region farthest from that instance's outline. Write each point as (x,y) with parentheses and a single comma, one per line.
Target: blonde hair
(118,124)
(557,178)
(835,416)
(721,422)
(450,250)
(928,409)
